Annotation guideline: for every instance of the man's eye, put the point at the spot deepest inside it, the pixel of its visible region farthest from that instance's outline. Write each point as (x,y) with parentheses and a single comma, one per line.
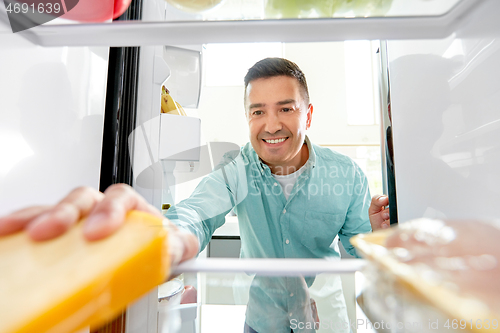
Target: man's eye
(286,109)
(257,113)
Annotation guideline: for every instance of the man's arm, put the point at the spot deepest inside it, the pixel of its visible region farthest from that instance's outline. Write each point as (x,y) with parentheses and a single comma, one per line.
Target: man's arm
(204,211)
(214,197)
(357,221)
(105,213)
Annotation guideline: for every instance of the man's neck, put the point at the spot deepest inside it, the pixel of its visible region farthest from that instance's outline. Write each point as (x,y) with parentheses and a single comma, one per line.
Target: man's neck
(283,170)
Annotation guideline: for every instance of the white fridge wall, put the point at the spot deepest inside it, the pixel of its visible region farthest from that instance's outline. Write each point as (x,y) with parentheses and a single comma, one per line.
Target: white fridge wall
(445,97)
(51,120)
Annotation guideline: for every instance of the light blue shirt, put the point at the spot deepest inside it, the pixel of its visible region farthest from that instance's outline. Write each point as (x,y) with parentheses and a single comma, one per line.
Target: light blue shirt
(330,198)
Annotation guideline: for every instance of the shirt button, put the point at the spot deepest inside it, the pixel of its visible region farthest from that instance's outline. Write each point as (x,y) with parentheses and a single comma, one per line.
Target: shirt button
(287,241)
(275,184)
(291,295)
(290,314)
(284,211)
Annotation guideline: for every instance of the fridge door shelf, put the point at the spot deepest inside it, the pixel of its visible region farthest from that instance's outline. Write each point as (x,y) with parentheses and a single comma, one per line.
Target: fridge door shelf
(185,133)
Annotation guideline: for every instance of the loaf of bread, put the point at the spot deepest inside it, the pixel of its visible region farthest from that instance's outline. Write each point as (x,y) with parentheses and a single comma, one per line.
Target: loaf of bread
(69,283)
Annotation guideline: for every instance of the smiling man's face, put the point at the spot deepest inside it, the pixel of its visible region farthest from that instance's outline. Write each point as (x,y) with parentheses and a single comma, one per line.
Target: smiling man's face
(278,117)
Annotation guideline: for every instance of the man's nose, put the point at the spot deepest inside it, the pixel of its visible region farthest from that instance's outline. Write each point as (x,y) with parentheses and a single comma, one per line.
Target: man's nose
(273,123)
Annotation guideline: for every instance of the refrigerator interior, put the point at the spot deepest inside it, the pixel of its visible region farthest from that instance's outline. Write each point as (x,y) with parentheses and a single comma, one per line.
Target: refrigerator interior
(444,99)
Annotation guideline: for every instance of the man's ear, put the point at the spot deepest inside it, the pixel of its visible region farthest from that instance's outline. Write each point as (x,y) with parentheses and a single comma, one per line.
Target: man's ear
(309,116)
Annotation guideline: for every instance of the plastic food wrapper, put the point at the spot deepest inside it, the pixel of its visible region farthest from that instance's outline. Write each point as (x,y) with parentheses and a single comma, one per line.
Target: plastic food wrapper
(69,283)
(433,275)
(326,8)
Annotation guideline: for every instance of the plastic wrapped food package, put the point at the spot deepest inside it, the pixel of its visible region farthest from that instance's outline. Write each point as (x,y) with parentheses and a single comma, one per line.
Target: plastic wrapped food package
(326,8)
(194,6)
(435,274)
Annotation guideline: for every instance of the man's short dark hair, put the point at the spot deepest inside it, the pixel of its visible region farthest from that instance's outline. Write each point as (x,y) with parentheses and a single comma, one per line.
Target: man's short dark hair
(270,67)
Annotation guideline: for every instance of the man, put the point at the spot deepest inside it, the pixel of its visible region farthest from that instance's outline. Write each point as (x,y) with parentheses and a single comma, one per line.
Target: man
(292,198)
(281,186)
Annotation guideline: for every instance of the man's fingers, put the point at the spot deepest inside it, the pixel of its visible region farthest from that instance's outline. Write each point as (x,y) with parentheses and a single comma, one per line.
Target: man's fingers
(380,220)
(108,215)
(18,220)
(105,213)
(46,222)
(84,198)
(56,221)
(53,223)
(378,203)
(379,217)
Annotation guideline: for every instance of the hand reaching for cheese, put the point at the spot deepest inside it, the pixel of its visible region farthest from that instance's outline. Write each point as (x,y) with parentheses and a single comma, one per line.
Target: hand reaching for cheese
(105,214)
(93,279)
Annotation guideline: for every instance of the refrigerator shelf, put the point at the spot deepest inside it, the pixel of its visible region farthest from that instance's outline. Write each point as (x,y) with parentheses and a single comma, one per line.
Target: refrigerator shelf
(271,266)
(139,33)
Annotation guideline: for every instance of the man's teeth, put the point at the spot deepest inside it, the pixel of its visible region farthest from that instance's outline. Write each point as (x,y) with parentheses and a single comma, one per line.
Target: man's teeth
(275,141)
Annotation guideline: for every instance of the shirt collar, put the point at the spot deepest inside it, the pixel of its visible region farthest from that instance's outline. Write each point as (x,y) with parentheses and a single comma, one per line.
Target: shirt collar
(312,154)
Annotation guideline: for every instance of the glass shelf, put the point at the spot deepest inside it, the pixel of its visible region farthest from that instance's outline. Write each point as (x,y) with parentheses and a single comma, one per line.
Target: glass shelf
(222,295)
(271,266)
(307,9)
(260,21)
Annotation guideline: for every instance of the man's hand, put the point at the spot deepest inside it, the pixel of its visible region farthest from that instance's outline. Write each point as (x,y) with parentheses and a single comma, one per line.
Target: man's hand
(378,213)
(105,213)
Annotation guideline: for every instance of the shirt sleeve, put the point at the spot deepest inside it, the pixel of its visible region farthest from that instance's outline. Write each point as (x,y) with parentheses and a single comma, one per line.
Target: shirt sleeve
(357,219)
(214,197)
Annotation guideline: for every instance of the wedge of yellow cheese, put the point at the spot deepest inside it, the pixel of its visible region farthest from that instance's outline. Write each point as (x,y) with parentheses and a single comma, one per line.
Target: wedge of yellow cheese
(70,283)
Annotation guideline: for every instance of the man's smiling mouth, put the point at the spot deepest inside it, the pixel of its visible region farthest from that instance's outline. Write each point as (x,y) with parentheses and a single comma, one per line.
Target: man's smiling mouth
(275,140)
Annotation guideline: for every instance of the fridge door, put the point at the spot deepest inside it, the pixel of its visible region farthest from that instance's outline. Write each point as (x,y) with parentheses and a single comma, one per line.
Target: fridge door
(445,123)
